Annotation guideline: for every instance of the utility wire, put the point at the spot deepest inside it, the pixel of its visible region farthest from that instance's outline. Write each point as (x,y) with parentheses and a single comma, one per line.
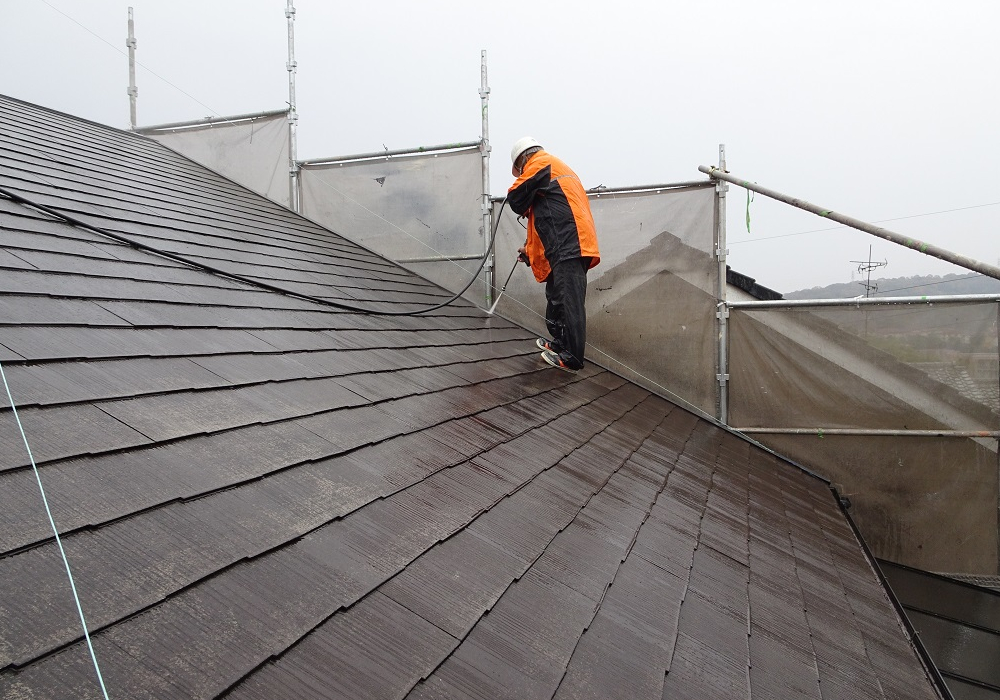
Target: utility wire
(877,221)
(931,284)
(55,532)
(138,63)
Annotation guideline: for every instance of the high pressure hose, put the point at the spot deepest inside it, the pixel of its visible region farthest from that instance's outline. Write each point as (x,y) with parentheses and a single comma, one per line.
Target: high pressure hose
(264,285)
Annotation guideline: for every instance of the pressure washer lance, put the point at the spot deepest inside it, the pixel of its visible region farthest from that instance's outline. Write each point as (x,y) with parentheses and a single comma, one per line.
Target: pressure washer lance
(520,258)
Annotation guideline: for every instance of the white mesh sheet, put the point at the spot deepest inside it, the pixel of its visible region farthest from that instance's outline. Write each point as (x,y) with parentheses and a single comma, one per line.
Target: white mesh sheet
(651,302)
(411,209)
(894,367)
(252,152)
(925,502)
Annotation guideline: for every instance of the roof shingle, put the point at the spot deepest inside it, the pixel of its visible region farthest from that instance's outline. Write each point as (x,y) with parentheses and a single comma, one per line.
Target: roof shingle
(262,496)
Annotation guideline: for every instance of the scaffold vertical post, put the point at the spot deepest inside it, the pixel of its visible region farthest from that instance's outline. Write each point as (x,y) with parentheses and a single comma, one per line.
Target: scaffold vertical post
(722,309)
(133,91)
(484,146)
(293,115)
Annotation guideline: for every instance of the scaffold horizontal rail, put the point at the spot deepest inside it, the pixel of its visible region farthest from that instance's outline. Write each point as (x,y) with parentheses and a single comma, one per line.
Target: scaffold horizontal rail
(873,432)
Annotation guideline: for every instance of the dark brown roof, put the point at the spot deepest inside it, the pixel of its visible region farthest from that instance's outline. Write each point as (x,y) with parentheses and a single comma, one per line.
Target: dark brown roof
(264,497)
(959,624)
(750,286)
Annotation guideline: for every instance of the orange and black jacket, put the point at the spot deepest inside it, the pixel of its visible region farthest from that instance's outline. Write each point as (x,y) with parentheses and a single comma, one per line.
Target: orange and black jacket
(560,225)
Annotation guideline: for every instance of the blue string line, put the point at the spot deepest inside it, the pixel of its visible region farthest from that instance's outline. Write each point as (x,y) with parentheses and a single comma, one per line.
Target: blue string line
(52,522)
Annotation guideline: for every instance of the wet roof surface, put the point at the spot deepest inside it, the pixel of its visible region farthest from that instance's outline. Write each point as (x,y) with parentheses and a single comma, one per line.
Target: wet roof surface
(264,497)
(959,625)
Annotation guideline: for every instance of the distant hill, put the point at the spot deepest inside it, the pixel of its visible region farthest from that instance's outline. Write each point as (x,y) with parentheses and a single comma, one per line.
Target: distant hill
(921,285)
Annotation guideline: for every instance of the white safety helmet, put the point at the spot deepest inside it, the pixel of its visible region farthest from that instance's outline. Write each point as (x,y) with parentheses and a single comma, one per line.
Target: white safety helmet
(520,146)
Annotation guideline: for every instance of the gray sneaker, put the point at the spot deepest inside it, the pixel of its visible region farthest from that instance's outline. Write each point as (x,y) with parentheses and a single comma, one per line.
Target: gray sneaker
(556,361)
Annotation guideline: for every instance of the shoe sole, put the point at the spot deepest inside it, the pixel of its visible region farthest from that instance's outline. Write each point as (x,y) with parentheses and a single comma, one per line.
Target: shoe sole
(556,363)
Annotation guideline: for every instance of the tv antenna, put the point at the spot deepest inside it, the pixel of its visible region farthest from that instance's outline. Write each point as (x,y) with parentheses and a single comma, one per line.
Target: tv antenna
(866,267)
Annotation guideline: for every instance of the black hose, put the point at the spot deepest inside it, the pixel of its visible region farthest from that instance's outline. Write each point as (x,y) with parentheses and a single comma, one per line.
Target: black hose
(264,285)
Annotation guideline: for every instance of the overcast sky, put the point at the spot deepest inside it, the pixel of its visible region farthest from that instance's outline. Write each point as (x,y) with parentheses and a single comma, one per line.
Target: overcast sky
(873,108)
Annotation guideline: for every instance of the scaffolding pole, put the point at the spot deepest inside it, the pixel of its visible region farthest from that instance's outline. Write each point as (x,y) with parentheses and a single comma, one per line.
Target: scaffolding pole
(293,115)
(484,98)
(897,238)
(722,311)
(133,91)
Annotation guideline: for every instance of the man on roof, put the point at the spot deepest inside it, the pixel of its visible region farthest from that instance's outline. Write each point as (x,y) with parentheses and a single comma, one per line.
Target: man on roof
(560,249)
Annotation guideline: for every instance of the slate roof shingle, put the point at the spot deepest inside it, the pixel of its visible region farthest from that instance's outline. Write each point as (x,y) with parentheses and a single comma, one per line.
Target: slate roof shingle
(264,497)
(959,624)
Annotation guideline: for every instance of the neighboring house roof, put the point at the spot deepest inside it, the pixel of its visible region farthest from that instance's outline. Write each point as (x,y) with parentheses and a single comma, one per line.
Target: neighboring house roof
(959,624)
(949,374)
(265,497)
(750,286)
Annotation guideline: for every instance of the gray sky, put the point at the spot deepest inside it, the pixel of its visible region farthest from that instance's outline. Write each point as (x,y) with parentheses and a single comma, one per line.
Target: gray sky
(878,109)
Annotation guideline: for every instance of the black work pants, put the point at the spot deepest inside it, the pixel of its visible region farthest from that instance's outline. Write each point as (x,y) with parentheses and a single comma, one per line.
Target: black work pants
(566,310)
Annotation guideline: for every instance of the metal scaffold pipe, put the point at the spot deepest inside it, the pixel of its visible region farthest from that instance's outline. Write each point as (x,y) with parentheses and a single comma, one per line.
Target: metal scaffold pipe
(293,115)
(484,97)
(389,153)
(210,121)
(871,432)
(133,91)
(897,238)
(857,302)
(722,313)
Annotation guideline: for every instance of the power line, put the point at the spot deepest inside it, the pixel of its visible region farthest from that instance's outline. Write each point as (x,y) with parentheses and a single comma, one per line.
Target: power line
(877,221)
(123,53)
(931,284)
